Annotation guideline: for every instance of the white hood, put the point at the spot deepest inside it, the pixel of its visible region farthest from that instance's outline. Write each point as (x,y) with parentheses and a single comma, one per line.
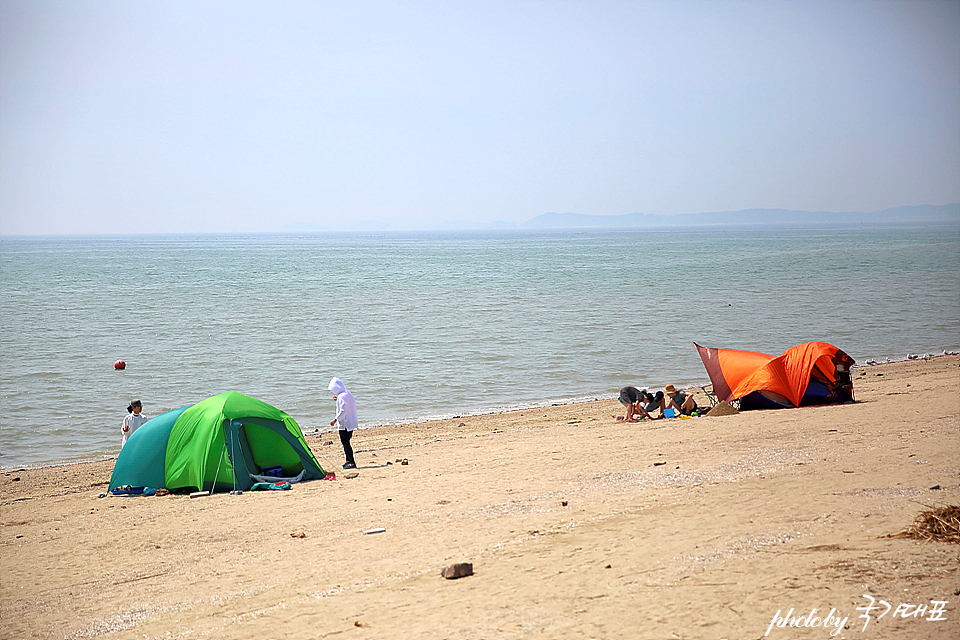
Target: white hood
(336,386)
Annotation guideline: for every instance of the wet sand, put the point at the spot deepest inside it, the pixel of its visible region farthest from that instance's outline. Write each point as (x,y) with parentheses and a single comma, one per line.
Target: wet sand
(577,526)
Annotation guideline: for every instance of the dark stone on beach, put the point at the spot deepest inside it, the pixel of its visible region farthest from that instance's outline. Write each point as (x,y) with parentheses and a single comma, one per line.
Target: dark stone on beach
(459,570)
(935,487)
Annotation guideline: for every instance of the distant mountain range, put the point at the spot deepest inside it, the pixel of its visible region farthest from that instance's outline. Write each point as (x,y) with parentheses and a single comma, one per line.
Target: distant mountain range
(921,214)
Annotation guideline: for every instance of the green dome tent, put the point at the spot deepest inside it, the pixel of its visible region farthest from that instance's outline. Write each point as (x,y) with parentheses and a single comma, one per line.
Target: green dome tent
(224,442)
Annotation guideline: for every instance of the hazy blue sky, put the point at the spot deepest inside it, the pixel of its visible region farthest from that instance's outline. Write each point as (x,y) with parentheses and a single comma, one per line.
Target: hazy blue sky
(128,117)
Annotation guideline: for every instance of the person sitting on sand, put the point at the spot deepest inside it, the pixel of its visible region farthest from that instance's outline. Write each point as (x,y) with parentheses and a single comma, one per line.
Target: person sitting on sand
(680,400)
(630,397)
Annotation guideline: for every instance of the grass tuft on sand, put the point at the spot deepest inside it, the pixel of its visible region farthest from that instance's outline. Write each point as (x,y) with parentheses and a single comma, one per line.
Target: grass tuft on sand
(936,525)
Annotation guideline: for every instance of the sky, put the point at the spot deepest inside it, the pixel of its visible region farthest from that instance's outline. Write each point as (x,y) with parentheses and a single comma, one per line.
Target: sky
(244,117)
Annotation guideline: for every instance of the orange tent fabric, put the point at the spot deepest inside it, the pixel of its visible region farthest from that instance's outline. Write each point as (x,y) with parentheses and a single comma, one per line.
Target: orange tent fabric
(783,379)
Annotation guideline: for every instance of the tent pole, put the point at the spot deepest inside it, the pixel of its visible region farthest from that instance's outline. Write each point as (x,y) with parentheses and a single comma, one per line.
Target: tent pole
(219,462)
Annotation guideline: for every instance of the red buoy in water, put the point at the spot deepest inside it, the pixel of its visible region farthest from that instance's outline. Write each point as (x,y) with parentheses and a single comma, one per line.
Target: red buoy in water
(119,364)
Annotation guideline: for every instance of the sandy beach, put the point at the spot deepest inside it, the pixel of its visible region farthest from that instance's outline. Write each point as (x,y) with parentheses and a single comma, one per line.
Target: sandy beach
(577,526)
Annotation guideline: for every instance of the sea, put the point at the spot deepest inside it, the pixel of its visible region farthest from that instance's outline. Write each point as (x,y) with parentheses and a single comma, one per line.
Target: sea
(434,324)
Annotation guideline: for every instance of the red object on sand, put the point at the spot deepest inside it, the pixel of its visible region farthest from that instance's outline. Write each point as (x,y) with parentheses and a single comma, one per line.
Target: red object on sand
(119,364)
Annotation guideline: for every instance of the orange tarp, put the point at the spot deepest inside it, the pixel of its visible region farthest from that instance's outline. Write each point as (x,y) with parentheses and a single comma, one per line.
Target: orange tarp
(735,374)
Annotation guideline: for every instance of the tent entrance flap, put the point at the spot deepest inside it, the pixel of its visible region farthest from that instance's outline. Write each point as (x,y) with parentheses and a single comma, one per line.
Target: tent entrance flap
(238,448)
(256,443)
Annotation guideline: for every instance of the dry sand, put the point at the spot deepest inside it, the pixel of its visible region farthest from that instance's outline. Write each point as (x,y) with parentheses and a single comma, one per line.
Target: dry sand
(577,527)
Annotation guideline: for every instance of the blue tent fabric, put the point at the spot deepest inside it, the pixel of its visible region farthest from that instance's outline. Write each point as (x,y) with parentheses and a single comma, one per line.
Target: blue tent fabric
(148,445)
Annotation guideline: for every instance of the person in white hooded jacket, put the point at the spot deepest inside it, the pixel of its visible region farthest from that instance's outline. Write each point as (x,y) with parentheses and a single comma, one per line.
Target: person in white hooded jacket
(346,419)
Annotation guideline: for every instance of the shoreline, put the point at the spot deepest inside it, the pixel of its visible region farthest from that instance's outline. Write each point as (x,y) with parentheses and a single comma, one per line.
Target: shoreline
(319,430)
(326,429)
(576,525)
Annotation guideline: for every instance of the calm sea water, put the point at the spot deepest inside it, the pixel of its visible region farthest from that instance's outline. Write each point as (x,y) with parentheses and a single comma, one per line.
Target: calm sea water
(434,324)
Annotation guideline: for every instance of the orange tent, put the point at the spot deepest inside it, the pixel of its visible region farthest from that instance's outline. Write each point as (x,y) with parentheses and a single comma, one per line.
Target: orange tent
(810,373)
